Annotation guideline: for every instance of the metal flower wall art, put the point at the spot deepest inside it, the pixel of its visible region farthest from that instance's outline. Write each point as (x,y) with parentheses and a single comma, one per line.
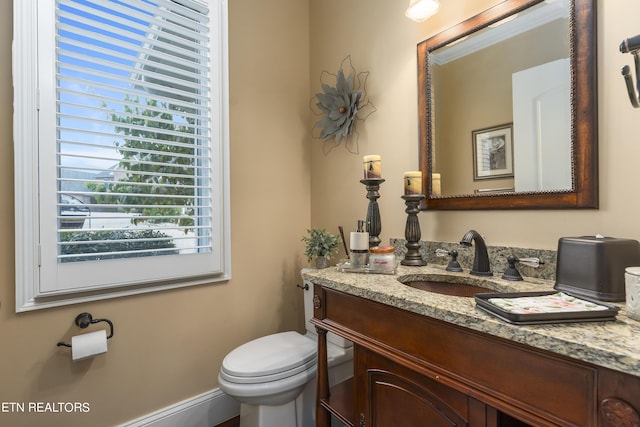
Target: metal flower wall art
(343,100)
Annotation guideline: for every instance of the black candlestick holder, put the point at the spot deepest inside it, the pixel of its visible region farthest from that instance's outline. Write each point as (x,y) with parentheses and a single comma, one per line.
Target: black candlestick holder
(374,223)
(412,231)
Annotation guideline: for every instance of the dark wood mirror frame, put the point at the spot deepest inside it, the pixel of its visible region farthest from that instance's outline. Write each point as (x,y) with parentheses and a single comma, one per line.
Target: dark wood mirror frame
(584,115)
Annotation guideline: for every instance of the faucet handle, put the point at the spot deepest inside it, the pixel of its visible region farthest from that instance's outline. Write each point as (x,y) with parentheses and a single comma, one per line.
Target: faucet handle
(453,265)
(442,252)
(530,262)
(512,273)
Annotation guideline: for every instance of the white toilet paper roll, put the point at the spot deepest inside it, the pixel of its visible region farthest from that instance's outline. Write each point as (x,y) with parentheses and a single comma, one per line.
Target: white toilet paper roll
(88,345)
(359,241)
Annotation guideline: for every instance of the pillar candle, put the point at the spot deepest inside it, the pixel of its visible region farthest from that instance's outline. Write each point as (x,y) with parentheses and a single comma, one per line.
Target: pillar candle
(412,182)
(372,166)
(435,184)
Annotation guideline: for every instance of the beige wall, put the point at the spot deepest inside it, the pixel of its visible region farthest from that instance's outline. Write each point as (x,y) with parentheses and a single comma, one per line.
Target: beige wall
(168,346)
(381,40)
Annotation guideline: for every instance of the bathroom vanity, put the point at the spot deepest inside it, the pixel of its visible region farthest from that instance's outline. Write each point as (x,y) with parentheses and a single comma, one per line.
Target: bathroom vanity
(428,359)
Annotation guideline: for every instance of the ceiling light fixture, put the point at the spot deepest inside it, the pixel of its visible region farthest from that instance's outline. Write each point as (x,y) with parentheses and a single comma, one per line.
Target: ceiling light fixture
(421,10)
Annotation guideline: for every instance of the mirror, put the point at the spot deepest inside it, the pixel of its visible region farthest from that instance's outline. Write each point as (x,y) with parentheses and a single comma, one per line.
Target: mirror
(508,109)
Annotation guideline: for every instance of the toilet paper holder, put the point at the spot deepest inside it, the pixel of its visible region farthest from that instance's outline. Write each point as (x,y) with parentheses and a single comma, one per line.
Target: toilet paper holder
(83,320)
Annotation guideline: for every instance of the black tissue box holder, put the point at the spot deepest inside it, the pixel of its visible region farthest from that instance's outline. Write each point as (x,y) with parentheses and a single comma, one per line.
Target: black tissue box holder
(594,267)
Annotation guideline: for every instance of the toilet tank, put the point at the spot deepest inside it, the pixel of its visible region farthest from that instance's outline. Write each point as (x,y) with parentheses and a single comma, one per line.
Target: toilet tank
(308,315)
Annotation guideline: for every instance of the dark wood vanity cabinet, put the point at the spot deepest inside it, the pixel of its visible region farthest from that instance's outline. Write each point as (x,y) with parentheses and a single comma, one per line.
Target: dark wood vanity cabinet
(412,370)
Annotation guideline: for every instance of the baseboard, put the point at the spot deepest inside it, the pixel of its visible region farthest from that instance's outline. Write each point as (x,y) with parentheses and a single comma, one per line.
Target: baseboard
(205,410)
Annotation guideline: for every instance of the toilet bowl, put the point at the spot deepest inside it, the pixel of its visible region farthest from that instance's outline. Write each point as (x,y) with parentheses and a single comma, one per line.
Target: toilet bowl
(274,377)
(271,370)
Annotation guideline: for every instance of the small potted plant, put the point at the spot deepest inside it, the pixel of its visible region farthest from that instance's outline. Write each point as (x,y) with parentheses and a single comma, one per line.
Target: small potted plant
(320,245)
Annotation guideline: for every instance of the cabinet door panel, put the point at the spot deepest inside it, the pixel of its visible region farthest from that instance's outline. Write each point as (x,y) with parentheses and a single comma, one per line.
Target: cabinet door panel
(398,396)
(398,402)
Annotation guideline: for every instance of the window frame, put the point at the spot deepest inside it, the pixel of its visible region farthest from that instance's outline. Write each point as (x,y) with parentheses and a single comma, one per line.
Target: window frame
(27,98)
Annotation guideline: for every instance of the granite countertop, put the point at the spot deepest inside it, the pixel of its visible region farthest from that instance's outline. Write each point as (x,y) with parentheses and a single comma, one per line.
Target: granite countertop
(612,344)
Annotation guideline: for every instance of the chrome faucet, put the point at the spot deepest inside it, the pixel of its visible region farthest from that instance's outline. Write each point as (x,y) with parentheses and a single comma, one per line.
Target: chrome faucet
(481,265)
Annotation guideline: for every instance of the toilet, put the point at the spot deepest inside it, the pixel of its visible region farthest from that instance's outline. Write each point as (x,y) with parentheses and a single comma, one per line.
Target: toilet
(274,377)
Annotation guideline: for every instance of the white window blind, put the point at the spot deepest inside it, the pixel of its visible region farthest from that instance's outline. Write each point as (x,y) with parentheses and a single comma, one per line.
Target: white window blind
(131,154)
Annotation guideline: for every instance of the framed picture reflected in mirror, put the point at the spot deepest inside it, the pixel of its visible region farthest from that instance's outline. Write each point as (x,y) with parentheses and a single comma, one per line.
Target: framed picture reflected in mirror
(493,152)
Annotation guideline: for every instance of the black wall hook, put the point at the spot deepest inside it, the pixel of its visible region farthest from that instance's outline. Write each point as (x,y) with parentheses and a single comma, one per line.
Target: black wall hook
(83,320)
(632,46)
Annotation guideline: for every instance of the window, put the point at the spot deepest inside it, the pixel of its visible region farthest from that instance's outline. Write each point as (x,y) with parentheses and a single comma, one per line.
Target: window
(121,147)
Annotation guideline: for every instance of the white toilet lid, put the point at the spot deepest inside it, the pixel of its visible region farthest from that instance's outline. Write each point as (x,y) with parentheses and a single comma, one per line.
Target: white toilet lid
(269,358)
